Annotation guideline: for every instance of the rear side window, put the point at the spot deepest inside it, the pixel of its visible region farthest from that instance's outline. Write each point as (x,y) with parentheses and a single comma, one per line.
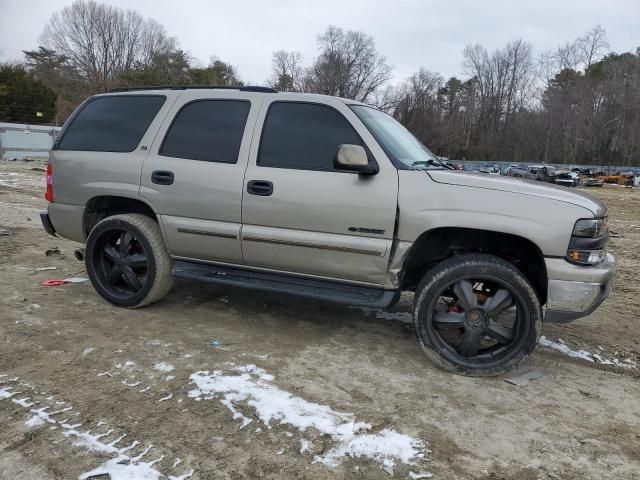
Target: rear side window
(304,136)
(208,130)
(111,124)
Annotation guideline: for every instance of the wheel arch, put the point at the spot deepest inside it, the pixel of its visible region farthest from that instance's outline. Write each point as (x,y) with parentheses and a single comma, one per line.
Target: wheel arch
(102,206)
(438,244)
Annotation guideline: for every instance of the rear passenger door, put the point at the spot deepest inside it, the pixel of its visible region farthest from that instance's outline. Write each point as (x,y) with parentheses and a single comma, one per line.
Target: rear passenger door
(194,171)
(301,215)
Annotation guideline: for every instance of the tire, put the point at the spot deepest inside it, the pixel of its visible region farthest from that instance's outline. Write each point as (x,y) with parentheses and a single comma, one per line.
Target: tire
(486,274)
(127,261)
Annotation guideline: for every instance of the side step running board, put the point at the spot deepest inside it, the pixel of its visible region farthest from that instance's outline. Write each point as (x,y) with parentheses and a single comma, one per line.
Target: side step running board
(318,289)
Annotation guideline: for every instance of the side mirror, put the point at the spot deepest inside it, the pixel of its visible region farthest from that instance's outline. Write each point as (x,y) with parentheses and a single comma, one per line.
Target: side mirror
(354,158)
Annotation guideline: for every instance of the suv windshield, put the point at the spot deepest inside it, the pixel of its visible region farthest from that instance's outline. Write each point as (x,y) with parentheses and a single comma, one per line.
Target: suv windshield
(397,142)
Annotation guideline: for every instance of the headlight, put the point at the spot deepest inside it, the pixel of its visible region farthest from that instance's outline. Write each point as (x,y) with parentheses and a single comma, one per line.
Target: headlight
(590,227)
(588,245)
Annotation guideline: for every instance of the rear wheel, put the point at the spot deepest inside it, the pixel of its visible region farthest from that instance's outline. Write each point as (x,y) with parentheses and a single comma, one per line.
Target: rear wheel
(127,260)
(477,315)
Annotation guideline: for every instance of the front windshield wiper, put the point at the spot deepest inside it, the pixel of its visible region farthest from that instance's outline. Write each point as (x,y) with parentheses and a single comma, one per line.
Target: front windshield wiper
(432,162)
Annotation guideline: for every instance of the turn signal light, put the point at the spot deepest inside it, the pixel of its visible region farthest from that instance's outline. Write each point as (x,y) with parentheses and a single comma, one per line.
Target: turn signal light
(587,257)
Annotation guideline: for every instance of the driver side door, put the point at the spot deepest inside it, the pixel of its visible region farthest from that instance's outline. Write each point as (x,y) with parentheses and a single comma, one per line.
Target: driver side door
(302,216)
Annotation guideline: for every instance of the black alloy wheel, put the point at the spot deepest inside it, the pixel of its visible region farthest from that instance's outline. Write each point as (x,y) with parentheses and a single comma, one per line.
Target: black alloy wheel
(476,319)
(121,262)
(477,315)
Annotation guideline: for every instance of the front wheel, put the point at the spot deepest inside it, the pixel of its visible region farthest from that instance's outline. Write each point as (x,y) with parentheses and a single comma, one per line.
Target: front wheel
(127,260)
(477,315)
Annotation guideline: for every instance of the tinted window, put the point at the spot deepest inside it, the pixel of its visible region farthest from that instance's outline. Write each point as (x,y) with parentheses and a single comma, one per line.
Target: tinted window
(111,124)
(209,130)
(304,136)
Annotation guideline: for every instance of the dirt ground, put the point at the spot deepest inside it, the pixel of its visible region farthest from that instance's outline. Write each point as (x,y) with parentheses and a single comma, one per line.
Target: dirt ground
(73,368)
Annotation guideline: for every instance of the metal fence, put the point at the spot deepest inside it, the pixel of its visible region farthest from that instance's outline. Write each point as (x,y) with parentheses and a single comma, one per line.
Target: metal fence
(20,141)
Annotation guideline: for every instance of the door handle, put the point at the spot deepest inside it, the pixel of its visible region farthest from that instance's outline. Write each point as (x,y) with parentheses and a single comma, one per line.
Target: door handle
(162,177)
(260,187)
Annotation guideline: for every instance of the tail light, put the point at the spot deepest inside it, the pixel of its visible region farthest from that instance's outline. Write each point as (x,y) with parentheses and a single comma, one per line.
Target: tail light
(48,195)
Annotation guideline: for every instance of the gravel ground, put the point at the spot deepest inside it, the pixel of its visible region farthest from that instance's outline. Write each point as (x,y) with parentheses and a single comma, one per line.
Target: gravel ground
(301,389)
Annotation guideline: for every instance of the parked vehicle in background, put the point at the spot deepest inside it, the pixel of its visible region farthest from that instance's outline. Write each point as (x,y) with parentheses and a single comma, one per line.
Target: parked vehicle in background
(454,165)
(592,182)
(543,173)
(619,178)
(567,179)
(490,168)
(519,171)
(326,198)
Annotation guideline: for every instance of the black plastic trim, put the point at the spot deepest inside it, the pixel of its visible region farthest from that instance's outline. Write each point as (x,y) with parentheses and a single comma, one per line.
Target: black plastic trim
(46,223)
(248,88)
(206,233)
(283,283)
(588,243)
(290,243)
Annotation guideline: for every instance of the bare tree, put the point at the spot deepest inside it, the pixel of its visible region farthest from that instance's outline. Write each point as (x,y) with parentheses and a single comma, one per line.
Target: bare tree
(348,66)
(592,46)
(287,71)
(503,82)
(419,107)
(103,42)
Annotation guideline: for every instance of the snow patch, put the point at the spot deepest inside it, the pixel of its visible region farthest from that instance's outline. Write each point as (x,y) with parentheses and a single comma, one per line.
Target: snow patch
(417,476)
(163,367)
(562,347)
(305,445)
(118,469)
(34,422)
(6,393)
(252,386)
(122,467)
(128,365)
(404,317)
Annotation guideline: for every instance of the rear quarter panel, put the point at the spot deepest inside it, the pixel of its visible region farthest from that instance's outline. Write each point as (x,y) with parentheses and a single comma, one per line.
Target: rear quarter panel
(78,176)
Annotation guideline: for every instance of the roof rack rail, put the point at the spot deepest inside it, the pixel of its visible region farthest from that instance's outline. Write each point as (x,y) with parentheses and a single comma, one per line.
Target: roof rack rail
(248,88)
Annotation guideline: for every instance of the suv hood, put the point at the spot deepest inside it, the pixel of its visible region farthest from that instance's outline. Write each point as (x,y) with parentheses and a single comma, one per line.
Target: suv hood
(520,186)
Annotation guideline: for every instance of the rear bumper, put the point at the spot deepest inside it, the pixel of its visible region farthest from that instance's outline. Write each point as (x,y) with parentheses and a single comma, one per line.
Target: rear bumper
(46,223)
(576,291)
(64,221)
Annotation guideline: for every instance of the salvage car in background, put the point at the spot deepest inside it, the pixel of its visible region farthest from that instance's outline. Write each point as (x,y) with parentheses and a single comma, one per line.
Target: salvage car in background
(592,182)
(567,179)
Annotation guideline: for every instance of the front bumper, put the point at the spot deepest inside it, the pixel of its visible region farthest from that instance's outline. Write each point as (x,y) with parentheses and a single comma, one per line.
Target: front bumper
(575,291)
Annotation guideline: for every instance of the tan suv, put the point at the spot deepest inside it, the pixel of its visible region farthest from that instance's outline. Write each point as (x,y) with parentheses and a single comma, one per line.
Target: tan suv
(322,197)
